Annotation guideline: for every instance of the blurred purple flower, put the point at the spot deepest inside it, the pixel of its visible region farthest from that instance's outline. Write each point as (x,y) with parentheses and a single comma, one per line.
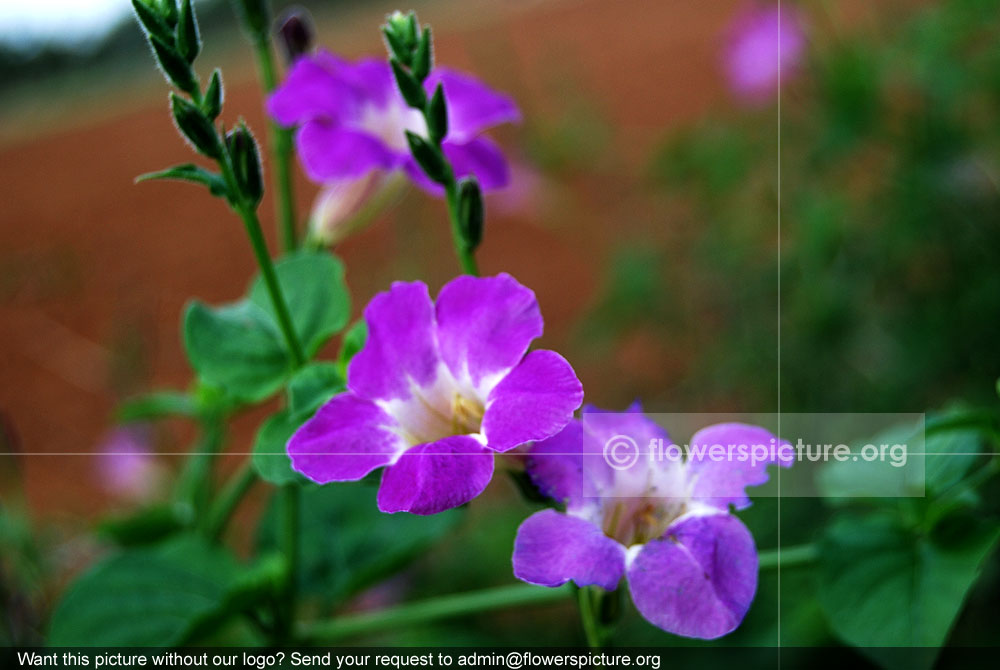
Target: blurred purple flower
(438,388)
(661,523)
(126,466)
(764,47)
(352,120)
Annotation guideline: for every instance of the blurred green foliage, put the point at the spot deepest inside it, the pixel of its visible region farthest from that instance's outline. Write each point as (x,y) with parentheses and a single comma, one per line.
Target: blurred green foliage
(889,224)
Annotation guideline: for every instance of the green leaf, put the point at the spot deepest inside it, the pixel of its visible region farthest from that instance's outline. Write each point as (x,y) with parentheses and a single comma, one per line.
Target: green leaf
(237,347)
(312,386)
(142,527)
(347,544)
(191,173)
(270,459)
(883,585)
(950,456)
(842,481)
(313,285)
(158,596)
(353,342)
(158,405)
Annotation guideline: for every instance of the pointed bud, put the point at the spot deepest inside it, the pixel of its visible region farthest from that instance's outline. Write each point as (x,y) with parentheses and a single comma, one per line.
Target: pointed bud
(195,126)
(437,116)
(411,89)
(346,206)
(412,30)
(423,59)
(296,33)
(212,102)
(152,21)
(397,49)
(428,157)
(470,212)
(169,10)
(188,39)
(177,70)
(246,163)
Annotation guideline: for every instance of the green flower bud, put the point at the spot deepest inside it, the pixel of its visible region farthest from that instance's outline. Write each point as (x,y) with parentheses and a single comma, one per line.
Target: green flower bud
(470,212)
(243,150)
(428,157)
(195,126)
(437,116)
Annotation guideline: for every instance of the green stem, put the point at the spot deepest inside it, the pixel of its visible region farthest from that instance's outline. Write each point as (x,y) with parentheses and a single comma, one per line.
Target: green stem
(193,485)
(252,224)
(281,149)
(290,547)
(788,557)
(422,612)
(229,499)
(465,255)
(588,618)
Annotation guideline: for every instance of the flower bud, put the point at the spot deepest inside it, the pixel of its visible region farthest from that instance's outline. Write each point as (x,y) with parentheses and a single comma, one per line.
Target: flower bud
(246,163)
(428,157)
(470,212)
(296,32)
(344,207)
(195,126)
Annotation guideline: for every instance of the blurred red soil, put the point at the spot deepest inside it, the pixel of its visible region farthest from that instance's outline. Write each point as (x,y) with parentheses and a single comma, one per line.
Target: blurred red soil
(95,271)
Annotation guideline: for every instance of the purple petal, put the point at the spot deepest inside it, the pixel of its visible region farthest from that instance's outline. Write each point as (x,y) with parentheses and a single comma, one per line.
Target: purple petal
(472,105)
(312,90)
(371,80)
(435,477)
(721,482)
(480,157)
(330,152)
(699,580)
(555,465)
(553,548)
(535,401)
(401,349)
(345,440)
(485,325)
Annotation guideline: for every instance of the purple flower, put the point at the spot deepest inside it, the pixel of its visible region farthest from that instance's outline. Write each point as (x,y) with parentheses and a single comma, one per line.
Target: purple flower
(352,119)
(126,467)
(662,523)
(764,47)
(436,390)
